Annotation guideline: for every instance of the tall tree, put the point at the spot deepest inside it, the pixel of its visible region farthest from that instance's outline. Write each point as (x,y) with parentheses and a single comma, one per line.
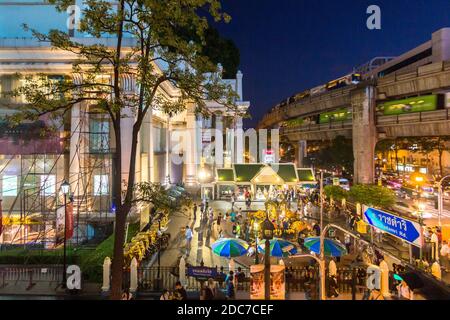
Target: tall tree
(156,29)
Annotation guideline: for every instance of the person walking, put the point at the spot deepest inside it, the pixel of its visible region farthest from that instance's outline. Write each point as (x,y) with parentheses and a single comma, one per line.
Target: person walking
(210,217)
(219,219)
(238,230)
(188,236)
(202,208)
(348,242)
(233,200)
(229,283)
(195,212)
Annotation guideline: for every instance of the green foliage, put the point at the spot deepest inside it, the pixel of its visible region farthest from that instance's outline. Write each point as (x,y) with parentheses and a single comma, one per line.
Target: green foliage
(335,192)
(162,199)
(37,256)
(338,155)
(92,261)
(372,195)
(223,51)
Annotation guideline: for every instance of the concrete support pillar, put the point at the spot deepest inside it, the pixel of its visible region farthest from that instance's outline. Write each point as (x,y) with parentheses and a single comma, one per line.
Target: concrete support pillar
(218,145)
(239,141)
(364,134)
(301,153)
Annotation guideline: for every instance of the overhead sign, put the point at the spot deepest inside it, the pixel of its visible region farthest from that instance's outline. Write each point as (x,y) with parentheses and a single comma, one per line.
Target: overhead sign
(401,228)
(202,273)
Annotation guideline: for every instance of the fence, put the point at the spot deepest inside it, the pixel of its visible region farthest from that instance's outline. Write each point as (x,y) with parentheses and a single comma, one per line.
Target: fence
(297,279)
(14,275)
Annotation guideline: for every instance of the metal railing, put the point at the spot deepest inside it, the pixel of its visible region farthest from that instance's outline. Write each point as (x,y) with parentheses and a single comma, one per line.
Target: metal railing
(297,279)
(13,275)
(318,127)
(428,116)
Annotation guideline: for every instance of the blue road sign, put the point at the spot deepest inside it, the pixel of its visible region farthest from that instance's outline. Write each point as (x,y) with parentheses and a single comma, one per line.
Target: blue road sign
(399,227)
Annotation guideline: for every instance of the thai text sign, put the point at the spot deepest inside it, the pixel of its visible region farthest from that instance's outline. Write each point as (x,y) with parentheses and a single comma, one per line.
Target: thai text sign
(401,228)
(202,272)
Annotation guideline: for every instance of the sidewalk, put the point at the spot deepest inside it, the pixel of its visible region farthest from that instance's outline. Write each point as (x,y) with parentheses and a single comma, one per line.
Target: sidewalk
(203,236)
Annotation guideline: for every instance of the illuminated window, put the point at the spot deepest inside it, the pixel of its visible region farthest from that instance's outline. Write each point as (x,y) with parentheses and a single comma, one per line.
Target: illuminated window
(48,185)
(9,184)
(101,185)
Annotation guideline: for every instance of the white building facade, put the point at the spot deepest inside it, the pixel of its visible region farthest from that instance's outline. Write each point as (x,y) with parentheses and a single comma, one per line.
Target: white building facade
(172,150)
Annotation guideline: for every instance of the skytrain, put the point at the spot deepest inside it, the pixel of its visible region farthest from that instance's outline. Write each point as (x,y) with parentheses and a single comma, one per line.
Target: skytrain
(352,78)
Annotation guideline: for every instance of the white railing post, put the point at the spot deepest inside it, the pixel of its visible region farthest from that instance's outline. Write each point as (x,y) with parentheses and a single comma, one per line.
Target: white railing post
(106,274)
(133,276)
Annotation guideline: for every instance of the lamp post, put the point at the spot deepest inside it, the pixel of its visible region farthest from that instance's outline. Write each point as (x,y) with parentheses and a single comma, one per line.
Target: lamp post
(256,228)
(65,189)
(267,229)
(322,239)
(441,199)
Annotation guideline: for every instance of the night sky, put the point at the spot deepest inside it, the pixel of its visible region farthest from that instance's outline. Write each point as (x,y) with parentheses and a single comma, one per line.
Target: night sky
(288,46)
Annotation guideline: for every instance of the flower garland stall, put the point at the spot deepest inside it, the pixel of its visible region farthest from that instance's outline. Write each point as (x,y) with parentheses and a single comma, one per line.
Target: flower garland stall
(146,244)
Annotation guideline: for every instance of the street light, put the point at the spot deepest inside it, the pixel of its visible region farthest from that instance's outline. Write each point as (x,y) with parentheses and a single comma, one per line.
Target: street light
(256,228)
(267,228)
(65,189)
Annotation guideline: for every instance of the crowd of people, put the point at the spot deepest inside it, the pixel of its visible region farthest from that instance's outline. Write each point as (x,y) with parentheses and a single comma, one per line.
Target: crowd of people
(235,222)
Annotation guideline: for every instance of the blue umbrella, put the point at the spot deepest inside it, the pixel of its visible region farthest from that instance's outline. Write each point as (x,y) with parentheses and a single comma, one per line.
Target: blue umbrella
(332,248)
(279,248)
(230,247)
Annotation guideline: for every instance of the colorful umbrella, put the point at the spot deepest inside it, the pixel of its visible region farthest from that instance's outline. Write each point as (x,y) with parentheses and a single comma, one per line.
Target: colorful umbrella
(230,247)
(279,248)
(332,247)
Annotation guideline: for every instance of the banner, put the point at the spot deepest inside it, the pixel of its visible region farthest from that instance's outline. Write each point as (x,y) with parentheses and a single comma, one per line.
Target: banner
(277,282)
(60,223)
(59,234)
(70,224)
(257,282)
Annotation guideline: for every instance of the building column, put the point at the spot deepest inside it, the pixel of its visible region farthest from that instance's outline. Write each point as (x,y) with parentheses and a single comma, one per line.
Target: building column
(239,141)
(239,90)
(301,153)
(126,124)
(168,149)
(192,145)
(218,142)
(364,135)
(151,147)
(78,125)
